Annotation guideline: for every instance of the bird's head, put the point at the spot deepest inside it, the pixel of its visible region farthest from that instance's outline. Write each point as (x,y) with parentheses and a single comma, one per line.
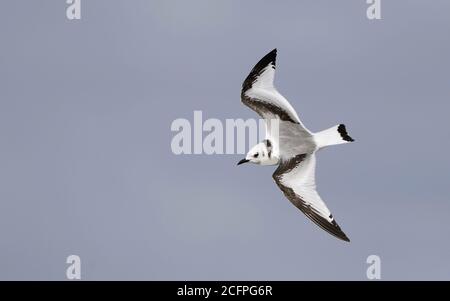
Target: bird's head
(258,154)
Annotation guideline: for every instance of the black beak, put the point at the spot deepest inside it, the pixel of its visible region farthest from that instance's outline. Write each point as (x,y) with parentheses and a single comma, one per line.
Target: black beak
(243,161)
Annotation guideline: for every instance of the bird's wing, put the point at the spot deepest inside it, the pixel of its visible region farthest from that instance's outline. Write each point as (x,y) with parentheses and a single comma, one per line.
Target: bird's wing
(296,178)
(283,126)
(259,94)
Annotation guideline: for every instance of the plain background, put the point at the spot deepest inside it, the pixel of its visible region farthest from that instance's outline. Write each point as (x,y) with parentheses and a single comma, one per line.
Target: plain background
(86,166)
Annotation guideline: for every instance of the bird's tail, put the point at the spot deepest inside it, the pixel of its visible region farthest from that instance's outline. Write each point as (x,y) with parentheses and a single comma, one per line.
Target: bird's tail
(332,136)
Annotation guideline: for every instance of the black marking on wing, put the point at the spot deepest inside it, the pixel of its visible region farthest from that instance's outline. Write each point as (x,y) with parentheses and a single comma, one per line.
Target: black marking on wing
(264,108)
(260,106)
(285,167)
(269,58)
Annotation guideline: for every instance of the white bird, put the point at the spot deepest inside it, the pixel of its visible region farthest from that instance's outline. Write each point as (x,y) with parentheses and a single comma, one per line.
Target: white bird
(292,147)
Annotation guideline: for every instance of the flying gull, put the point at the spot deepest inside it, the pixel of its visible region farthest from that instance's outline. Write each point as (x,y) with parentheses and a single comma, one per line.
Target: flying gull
(292,147)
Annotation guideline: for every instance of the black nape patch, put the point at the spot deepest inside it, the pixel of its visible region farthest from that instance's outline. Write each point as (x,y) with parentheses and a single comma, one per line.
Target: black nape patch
(343,131)
(269,147)
(268,143)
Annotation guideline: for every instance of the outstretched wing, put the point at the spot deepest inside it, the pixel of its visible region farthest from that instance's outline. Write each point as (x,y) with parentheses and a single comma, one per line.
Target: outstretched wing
(259,94)
(288,135)
(296,178)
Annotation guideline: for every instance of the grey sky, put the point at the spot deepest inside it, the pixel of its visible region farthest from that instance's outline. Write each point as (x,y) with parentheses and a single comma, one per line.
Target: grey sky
(86,166)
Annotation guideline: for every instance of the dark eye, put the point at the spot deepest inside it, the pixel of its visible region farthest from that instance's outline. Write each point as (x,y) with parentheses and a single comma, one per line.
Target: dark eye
(255,155)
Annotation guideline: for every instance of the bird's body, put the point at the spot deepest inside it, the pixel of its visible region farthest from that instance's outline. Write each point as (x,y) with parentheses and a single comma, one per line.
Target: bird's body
(289,144)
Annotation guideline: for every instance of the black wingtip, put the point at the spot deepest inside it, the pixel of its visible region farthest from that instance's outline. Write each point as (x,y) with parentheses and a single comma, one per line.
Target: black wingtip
(345,238)
(343,131)
(268,59)
(337,232)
